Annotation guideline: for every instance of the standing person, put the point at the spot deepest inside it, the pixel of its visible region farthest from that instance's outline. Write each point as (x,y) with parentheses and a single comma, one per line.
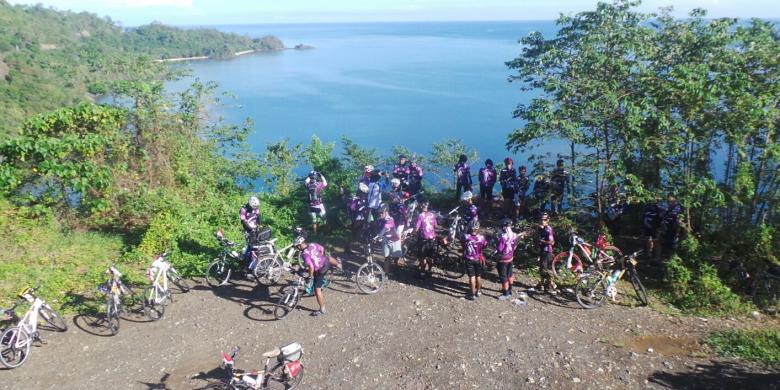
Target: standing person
(487,180)
(409,173)
(391,242)
(558,180)
(358,212)
(317,265)
(366,177)
(462,175)
(671,223)
(541,192)
(651,222)
(315,183)
(469,211)
(546,242)
(425,228)
(617,206)
(398,211)
(508,180)
(473,245)
(415,178)
(521,188)
(374,196)
(250,220)
(507,244)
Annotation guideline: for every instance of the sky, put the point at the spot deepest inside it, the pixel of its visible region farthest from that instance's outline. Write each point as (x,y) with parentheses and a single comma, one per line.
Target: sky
(221,12)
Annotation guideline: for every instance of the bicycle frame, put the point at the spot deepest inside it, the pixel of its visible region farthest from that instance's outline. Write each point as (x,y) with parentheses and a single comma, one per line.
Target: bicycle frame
(29,322)
(586,249)
(158,273)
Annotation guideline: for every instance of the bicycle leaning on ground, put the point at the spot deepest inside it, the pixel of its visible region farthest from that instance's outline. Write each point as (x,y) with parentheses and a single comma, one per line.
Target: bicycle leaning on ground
(115,292)
(16,341)
(286,373)
(220,269)
(595,285)
(595,255)
(156,296)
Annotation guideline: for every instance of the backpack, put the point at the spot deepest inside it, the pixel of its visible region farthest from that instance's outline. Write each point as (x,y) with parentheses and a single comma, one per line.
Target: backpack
(314,196)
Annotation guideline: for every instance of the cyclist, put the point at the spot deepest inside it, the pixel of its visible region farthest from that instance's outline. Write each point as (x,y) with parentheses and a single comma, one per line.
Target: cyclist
(507,243)
(508,178)
(473,245)
(398,210)
(315,183)
(317,264)
(391,242)
(409,173)
(558,180)
(487,179)
(521,188)
(250,220)
(366,178)
(356,205)
(651,222)
(374,196)
(425,227)
(671,223)
(469,213)
(546,242)
(462,175)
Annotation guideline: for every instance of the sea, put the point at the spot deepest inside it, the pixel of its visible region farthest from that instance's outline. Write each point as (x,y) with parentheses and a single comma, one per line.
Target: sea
(380,84)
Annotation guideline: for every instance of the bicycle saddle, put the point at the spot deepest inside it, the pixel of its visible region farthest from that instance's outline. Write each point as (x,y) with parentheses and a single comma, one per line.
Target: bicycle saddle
(272,354)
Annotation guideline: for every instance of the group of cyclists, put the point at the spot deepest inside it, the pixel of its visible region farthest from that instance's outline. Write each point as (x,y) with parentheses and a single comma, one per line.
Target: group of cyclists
(379,211)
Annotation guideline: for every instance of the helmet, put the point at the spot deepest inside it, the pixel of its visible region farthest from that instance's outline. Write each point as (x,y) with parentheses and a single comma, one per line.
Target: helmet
(489,162)
(383,208)
(368,168)
(466,196)
(395,182)
(313,175)
(508,161)
(362,187)
(463,158)
(425,203)
(545,216)
(506,222)
(254,202)
(299,240)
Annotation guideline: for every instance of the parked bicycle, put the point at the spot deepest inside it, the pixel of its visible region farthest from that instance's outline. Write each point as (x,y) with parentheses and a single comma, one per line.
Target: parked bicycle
(370,276)
(286,372)
(115,292)
(766,291)
(270,267)
(156,296)
(15,342)
(567,263)
(229,262)
(292,293)
(595,285)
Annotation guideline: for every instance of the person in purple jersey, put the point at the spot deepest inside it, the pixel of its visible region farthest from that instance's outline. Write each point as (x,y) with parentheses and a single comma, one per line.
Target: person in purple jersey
(425,228)
(473,244)
(546,242)
(388,235)
(317,264)
(487,180)
(315,183)
(469,211)
(462,175)
(507,177)
(250,220)
(507,244)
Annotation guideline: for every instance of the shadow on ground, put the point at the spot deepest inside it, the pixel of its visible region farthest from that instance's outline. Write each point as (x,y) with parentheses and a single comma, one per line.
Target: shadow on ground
(718,375)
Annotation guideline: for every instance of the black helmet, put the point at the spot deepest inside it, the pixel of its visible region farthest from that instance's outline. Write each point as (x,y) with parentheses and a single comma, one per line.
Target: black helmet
(506,222)
(313,175)
(462,158)
(489,162)
(545,216)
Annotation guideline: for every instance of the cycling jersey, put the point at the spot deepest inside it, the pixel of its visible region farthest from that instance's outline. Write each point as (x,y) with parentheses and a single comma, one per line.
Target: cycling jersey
(506,246)
(547,239)
(521,184)
(250,217)
(558,180)
(388,229)
(463,173)
(672,216)
(507,178)
(541,187)
(374,195)
(471,215)
(426,225)
(651,218)
(473,246)
(487,176)
(315,190)
(398,210)
(314,256)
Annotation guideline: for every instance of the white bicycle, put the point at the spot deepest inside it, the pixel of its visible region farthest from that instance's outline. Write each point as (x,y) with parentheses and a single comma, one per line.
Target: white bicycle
(156,296)
(274,261)
(15,342)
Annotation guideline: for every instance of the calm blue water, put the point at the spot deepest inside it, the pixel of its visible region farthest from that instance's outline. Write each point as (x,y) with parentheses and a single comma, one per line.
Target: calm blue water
(381,84)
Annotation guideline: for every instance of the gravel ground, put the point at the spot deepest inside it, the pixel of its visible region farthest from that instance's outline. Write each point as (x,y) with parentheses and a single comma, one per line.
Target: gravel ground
(410,335)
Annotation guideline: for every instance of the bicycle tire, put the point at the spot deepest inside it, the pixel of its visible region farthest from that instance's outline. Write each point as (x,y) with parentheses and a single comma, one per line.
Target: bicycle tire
(279,379)
(591,290)
(613,251)
(639,288)
(268,270)
(112,315)
(451,265)
(286,303)
(178,281)
(559,268)
(218,273)
(370,278)
(15,344)
(765,294)
(153,310)
(52,318)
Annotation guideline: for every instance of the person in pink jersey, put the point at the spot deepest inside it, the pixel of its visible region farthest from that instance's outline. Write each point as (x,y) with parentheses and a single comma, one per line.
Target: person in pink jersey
(473,244)
(425,228)
(317,265)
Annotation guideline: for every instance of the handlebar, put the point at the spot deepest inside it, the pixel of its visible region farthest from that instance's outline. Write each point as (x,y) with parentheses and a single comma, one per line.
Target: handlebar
(234,352)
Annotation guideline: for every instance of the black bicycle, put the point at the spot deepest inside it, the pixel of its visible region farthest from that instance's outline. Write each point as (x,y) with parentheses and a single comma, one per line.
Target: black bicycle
(221,268)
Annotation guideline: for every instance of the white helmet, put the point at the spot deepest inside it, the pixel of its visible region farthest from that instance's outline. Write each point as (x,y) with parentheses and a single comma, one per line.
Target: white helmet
(395,182)
(368,168)
(466,196)
(254,202)
(362,187)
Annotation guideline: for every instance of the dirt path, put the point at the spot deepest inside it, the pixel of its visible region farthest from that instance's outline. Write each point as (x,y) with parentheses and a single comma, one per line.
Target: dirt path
(411,335)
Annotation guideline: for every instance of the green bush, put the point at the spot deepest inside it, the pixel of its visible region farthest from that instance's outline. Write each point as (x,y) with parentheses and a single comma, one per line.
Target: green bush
(755,345)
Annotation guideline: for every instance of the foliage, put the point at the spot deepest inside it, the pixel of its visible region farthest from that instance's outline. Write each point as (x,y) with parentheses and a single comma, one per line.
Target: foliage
(756,345)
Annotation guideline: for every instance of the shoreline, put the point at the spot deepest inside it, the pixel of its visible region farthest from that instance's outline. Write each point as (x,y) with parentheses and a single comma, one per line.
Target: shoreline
(236,54)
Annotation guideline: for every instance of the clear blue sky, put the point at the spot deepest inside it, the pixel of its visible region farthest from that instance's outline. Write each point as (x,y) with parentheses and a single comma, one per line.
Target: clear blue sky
(203,12)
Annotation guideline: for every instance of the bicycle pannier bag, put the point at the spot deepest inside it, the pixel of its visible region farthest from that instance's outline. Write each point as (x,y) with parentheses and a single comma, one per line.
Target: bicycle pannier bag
(291,352)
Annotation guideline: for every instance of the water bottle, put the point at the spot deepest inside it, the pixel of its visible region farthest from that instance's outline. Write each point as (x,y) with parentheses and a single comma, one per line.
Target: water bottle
(613,278)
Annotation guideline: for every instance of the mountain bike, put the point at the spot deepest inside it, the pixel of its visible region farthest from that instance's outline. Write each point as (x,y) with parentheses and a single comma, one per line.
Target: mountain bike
(595,285)
(156,296)
(115,291)
(370,276)
(569,262)
(229,261)
(269,268)
(286,373)
(292,293)
(766,291)
(15,342)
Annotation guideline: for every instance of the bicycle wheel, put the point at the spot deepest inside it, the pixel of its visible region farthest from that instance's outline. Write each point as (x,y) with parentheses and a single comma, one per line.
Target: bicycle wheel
(153,303)
(559,268)
(14,347)
(766,292)
(639,288)
(279,378)
(268,271)
(370,277)
(591,290)
(451,265)
(52,318)
(287,303)
(218,273)
(177,280)
(112,314)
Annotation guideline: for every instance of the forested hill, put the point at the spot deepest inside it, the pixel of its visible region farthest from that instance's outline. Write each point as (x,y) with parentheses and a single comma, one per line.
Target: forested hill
(51,58)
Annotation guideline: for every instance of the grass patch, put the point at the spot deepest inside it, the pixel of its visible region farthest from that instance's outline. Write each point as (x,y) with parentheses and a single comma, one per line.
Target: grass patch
(754,345)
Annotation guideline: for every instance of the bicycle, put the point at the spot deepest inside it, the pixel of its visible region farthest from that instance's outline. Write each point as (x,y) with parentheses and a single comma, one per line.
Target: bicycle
(766,291)
(268,269)
(156,296)
(370,276)
(115,290)
(569,262)
(287,373)
(594,286)
(15,342)
(229,261)
(291,294)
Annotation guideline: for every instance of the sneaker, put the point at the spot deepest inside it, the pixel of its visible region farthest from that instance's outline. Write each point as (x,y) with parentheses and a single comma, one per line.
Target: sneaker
(469,297)
(477,294)
(503,297)
(318,313)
